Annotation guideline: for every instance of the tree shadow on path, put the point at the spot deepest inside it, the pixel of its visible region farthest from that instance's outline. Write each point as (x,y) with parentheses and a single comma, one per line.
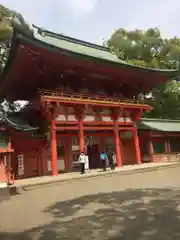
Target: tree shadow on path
(131,214)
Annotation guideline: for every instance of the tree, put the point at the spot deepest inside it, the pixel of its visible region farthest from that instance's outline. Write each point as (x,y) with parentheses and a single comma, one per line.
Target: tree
(149,49)
(6,33)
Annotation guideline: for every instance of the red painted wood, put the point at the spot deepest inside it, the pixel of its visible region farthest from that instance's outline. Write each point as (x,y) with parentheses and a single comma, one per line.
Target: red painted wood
(31,163)
(69,153)
(128,150)
(107,123)
(107,105)
(3,176)
(150,149)
(23,143)
(54,152)
(86,134)
(59,123)
(117,143)
(101,143)
(137,148)
(44,160)
(95,128)
(81,136)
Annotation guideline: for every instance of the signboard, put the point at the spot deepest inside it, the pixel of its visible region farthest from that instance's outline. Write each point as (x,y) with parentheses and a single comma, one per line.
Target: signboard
(20,159)
(88,141)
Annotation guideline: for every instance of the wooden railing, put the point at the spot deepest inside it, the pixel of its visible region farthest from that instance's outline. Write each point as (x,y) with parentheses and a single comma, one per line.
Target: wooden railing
(90,97)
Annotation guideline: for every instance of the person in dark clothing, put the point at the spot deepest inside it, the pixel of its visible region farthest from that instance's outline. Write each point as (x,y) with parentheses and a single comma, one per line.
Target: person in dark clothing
(104,159)
(113,164)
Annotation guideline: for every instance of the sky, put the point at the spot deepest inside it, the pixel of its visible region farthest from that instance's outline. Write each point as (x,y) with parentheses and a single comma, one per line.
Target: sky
(95,20)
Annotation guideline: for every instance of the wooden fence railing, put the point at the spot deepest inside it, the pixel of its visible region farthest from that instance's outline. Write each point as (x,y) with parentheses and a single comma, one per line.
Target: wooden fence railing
(90,97)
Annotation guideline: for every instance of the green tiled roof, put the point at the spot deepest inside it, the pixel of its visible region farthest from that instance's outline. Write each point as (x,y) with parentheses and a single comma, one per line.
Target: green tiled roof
(15,121)
(59,42)
(97,52)
(162,125)
(19,124)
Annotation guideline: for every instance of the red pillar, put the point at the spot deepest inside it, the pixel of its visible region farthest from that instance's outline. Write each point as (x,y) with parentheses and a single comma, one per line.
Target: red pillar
(117,143)
(69,152)
(166,147)
(81,136)
(150,149)
(54,152)
(169,146)
(44,160)
(137,148)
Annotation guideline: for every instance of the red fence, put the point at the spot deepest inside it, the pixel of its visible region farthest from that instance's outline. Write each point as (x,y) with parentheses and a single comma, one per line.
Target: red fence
(80,96)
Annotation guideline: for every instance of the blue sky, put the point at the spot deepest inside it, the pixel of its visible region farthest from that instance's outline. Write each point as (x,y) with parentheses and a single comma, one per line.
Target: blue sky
(95,20)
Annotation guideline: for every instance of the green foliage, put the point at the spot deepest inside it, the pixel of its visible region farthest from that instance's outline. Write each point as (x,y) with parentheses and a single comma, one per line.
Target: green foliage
(149,49)
(6,33)
(5,26)
(6,30)
(166,101)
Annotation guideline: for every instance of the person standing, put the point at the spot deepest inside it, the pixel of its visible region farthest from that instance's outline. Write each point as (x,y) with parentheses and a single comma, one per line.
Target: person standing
(104,160)
(110,157)
(82,159)
(113,164)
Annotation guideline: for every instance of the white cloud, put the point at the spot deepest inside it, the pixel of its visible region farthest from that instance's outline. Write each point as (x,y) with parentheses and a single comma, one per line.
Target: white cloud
(81,7)
(161,14)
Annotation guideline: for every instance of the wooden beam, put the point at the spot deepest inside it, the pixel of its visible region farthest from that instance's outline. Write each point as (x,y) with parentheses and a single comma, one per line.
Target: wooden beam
(93,128)
(76,101)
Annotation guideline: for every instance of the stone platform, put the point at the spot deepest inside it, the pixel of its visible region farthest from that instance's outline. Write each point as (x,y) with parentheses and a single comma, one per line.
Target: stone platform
(31,183)
(4,192)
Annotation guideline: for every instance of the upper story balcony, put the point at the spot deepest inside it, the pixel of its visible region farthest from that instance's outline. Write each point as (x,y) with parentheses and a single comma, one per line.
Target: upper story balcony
(91,99)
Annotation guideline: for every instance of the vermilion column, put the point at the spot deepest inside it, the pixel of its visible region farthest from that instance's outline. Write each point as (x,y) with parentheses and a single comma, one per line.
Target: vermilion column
(166,148)
(69,149)
(44,153)
(150,149)
(68,153)
(117,143)
(54,152)
(81,136)
(137,148)
(169,146)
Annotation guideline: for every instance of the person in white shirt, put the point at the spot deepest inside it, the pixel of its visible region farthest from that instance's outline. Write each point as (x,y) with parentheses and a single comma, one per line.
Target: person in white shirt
(82,159)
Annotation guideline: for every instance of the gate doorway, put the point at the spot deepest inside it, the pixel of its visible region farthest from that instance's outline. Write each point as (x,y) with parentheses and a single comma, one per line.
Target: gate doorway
(94,156)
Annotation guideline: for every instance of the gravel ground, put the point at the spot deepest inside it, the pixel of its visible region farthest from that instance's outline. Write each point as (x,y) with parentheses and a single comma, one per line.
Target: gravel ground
(139,206)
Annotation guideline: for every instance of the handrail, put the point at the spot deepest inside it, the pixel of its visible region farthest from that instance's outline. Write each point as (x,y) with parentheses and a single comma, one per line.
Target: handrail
(44,92)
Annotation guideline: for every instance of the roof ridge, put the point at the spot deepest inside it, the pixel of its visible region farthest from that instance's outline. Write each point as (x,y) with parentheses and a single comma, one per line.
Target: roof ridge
(70,39)
(160,120)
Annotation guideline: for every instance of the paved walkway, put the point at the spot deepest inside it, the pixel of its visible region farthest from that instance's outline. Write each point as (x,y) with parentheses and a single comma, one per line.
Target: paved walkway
(68,177)
(140,206)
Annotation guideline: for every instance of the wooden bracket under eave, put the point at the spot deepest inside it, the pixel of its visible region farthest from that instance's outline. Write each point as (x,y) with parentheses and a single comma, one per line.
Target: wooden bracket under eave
(116,113)
(79,110)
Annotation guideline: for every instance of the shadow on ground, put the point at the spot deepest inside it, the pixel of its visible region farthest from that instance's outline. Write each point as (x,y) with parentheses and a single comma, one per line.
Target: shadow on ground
(131,214)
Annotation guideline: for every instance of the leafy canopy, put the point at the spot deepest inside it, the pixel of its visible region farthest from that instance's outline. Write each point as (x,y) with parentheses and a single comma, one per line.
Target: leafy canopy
(6,33)
(149,49)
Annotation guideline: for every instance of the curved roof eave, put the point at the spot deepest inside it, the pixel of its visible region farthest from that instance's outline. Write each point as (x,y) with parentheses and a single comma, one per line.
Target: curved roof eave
(162,125)
(53,41)
(21,127)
